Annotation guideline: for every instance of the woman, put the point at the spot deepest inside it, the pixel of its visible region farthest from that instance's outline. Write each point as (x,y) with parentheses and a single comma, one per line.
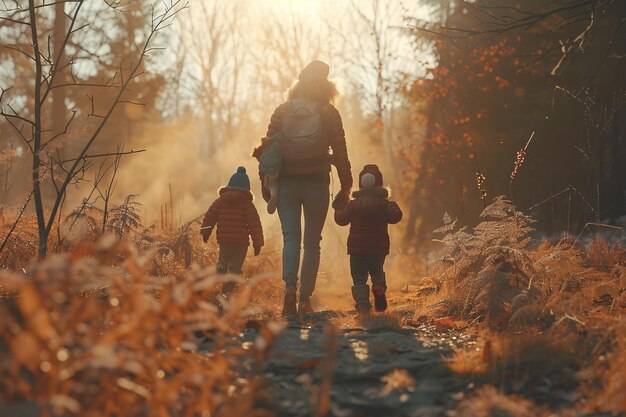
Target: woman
(303,184)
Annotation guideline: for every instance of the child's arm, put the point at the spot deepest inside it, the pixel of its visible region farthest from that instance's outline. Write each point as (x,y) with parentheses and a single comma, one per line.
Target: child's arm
(394,214)
(343,214)
(255,229)
(208,223)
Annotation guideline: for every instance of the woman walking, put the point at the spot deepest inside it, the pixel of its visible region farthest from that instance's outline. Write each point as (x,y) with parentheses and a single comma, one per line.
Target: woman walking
(307,132)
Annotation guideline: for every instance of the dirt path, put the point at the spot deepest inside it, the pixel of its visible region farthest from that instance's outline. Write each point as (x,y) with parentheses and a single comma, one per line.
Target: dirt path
(383,372)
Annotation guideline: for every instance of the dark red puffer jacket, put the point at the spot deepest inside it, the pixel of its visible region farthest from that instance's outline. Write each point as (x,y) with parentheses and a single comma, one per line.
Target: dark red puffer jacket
(236,218)
(369,213)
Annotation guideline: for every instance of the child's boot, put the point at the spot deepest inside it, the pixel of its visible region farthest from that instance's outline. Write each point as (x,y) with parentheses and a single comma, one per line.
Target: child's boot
(272,204)
(380,300)
(228,288)
(361,295)
(289,304)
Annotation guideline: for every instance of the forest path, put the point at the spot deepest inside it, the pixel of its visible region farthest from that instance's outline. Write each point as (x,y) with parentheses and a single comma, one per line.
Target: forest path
(387,371)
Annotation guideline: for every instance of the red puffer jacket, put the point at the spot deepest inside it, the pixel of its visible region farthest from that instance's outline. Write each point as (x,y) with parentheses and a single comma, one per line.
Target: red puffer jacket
(369,213)
(236,218)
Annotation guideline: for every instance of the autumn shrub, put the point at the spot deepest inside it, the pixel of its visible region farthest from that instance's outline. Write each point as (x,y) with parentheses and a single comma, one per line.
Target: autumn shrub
(605,255)
(547,312)
(94,334)
(496,273)
(483,269)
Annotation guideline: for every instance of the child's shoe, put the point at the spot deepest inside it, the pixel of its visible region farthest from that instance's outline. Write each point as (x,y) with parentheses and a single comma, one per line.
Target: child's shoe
(361,295)
(380,301)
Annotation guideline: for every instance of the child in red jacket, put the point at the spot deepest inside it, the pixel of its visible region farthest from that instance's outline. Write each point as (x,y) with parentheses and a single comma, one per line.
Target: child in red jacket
(236,218)
(368,213)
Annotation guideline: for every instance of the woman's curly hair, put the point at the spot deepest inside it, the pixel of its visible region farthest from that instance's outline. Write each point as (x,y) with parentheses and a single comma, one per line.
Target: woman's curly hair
(324,91)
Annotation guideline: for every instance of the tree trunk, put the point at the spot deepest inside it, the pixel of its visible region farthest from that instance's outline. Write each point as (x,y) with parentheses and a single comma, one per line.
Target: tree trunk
(59,111)
(41,224)
(409,234)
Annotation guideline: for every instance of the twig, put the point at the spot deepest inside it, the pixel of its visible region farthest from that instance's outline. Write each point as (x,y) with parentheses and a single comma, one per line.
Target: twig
(101,155)
(6,239)
(171,220)
(608,226)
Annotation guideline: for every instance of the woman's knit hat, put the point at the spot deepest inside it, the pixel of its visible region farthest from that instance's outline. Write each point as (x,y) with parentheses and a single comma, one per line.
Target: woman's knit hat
(315,70)
(370,177)
(240,179)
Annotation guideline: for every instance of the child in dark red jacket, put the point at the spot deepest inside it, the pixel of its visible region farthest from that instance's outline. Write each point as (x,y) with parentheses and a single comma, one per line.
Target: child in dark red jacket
(368,213)
(237,219)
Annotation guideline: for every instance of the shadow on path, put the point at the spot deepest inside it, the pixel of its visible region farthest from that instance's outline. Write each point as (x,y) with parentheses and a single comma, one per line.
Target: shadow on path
(294,371)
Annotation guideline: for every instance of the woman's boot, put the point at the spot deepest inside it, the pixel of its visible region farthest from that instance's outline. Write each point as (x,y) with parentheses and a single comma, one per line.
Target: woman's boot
(361,295)
(289,305)
(304,306)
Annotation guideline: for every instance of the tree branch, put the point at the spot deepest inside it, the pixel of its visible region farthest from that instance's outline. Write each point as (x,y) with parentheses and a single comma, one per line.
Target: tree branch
(19,216)
(102,155)
(54,69)
(157,24)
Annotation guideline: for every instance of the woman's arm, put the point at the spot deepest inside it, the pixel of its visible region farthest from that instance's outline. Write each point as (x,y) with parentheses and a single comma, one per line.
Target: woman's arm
(337,142)
(343,214)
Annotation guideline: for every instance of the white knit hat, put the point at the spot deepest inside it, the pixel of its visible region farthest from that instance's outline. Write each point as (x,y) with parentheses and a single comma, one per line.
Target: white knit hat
(368,180)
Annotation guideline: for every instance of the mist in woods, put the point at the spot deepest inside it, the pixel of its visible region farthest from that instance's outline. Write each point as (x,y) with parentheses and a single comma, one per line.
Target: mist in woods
(485,117)
(432,114)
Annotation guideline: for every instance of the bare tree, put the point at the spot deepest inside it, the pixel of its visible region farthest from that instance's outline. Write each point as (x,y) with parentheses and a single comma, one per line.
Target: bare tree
(287,44)
(47,162)
(371,44)
(375,56)
(215,45)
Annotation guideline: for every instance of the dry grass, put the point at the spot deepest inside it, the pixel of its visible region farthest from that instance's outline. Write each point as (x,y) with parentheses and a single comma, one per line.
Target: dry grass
(21,245)
(487,401)
(95,334)
(381,322)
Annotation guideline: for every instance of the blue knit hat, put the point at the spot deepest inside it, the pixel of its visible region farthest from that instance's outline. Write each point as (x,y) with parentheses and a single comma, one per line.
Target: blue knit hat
(240,179)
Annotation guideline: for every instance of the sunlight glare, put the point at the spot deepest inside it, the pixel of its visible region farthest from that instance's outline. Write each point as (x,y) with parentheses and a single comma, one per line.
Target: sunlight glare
(360,349)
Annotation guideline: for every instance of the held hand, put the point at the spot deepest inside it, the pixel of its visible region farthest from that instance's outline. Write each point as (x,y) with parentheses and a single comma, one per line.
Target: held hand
(206,233)
(341,200)
(257,251)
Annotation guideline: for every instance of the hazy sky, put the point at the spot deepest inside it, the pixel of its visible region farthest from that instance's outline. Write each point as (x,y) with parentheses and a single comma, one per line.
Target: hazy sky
(340,26)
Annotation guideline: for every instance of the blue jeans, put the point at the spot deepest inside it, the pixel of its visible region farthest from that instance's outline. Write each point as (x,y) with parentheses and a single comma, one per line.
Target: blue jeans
(294,197)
